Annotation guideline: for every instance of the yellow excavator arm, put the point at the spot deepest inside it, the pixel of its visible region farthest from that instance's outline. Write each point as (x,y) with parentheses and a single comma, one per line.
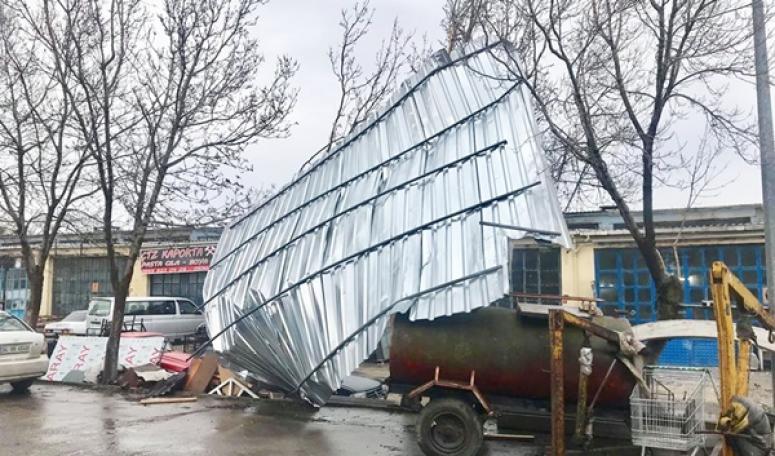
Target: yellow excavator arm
(733,372)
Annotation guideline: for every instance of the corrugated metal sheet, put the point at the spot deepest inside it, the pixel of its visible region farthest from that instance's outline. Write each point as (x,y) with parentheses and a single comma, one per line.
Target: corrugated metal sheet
(301,289)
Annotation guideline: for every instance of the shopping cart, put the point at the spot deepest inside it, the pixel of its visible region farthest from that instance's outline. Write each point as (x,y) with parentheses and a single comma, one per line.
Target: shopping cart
(669,413)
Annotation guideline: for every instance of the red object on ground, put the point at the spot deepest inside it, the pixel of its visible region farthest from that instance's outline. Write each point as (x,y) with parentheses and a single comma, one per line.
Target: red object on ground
(139,334)
(175,361)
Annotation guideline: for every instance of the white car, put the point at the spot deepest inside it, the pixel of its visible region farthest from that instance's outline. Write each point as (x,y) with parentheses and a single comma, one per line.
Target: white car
(22,353)
(173,317)
(73,324)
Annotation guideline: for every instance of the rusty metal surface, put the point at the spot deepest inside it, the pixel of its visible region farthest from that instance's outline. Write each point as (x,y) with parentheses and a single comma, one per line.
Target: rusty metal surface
(510,355)
(437,381)
(557,381)
(301,289)
(588,326)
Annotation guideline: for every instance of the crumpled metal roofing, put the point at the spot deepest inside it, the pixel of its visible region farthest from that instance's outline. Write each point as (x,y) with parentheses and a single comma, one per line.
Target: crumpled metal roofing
(398,217)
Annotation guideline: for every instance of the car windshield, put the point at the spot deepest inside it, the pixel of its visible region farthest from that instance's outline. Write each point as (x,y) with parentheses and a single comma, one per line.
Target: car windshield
(78,315)
(99,307)
(11,323)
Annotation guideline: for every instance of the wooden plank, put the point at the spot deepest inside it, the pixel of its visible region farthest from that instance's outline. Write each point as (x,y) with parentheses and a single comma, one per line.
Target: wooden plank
(201,379)
(515,437)
(167,400)
(191,372)
(223,376)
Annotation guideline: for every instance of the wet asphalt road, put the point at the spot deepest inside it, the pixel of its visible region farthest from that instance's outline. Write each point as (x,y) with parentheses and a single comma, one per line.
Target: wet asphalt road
(63,420)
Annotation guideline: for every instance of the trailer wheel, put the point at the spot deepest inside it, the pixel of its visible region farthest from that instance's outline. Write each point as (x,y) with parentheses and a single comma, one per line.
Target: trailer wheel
(449,427)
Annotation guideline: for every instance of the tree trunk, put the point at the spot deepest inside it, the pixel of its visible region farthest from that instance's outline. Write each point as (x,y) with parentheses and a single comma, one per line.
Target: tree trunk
(120,293)
(669,296)
(669,287)
(110,369)
(35,281)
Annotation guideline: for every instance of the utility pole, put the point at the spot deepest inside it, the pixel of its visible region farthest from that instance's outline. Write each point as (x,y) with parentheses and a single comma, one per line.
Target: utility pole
(766,150)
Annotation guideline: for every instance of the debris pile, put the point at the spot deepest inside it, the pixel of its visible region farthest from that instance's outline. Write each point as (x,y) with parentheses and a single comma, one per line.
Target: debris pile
(146,366)
(203,375)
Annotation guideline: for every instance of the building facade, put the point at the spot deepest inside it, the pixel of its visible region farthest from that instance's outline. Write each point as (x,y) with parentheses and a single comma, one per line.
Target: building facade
(173,262)
(605,264)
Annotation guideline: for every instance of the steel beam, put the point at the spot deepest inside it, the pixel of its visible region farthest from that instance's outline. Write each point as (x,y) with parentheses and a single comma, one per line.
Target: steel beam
(722,310)
(556,327)
(766,144)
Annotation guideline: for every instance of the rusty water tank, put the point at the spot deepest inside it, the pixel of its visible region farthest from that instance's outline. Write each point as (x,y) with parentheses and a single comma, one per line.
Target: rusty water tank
(508,351)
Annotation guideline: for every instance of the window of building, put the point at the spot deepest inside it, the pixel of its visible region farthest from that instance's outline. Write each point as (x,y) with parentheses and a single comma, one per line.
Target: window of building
(535,270)
(16,279)
(77,280)
(183,285)
(14,291)
(624,282)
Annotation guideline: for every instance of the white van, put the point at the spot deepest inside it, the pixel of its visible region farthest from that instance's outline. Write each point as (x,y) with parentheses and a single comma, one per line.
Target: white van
(170,316)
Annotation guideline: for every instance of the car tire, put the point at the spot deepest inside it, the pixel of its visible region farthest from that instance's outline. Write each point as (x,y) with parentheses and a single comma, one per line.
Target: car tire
(449,427)
(22,386)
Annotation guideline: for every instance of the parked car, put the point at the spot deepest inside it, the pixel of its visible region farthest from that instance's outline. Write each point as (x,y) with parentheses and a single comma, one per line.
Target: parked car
(73,324)
(171,316)
(22,353)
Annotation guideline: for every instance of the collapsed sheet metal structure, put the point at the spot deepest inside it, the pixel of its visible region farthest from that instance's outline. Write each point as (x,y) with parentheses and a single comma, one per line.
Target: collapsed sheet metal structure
(407,214)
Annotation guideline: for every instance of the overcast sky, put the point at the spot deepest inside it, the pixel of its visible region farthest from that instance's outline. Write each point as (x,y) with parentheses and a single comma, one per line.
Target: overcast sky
(305,29)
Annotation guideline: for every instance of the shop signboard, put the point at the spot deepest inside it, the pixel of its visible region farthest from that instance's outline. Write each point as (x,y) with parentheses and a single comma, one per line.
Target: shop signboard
(173,260)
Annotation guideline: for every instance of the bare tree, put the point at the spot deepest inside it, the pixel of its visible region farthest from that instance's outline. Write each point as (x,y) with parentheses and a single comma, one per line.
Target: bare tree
(41,166)
(362,92)
(462,18)
(611,79)
(218,207)
(164,97)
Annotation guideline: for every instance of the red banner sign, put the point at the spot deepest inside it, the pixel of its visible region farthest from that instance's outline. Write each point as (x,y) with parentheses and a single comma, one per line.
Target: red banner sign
(176,259)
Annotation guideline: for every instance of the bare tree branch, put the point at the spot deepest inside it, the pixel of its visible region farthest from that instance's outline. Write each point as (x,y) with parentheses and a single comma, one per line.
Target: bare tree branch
(611,80)
(163,98)
(362,92)
(43,169)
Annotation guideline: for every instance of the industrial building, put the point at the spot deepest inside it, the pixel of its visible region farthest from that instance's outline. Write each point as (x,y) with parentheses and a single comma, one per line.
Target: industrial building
(603,263)
(173,262)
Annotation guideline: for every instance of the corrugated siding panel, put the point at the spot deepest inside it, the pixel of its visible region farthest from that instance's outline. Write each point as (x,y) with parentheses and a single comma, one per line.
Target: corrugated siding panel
(303,287)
